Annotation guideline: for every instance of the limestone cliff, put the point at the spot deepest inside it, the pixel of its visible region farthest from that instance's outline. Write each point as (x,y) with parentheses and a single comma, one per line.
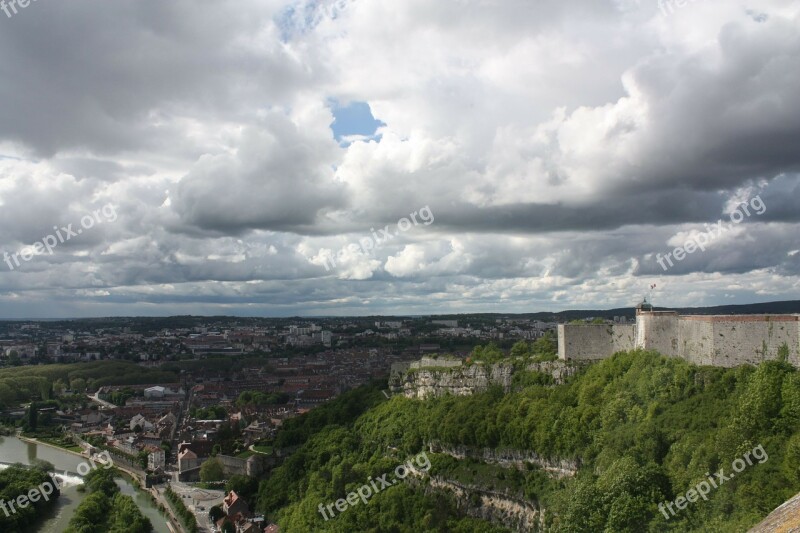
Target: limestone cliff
(433,377)
(509,458)
(784,519)
(509,510)
(427,381)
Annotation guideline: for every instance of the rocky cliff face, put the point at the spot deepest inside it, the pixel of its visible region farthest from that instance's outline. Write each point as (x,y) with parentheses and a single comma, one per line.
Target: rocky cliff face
(508,510)
(509,458)
(435,379)
(785,518)
(559,370)
(467,380)
(462,381)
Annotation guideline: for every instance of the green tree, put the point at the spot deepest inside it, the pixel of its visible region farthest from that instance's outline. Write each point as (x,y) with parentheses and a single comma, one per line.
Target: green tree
(18,480)
(141,458)
(546,347)
(244,486)
(212,470)
(491,353)
(33,416)
(215,513)
(45,390)
(520,349)
(105,510)
(59,387)
(791,460)
(78,385)
(91,515)
(783,353)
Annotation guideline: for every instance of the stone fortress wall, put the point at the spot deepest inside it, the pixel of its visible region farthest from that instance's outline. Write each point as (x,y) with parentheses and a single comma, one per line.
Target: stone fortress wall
(436,362)
(595,341)
(717,340)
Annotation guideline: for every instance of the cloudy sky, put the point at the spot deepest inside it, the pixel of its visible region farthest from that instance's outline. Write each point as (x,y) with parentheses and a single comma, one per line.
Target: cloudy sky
(216,157)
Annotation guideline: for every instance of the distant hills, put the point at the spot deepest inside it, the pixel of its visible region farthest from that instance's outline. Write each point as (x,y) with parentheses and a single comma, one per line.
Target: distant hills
(767,308)
(778,308)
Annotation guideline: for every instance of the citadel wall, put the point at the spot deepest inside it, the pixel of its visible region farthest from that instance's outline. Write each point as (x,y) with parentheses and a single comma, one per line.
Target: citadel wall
(718,340)
(436,362)
(697,341)
(594,341)
(749,339)
(659,331)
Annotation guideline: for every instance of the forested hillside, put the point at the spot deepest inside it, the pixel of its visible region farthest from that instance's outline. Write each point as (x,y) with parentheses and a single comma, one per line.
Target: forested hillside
(640,428)
(26,383)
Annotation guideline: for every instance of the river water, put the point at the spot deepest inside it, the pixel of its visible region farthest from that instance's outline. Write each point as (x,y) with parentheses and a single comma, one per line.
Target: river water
(13,450)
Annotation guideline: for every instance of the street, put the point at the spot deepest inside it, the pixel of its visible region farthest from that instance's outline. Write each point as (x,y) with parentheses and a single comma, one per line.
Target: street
(199,501)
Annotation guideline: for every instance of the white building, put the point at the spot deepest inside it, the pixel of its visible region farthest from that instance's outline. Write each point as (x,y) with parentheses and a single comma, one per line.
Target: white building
(156,460)
(154,392)
(142,422)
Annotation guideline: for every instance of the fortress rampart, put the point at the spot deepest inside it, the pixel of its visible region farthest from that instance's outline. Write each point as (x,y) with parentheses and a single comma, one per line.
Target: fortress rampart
(436,362)
(717,340)
(595,341)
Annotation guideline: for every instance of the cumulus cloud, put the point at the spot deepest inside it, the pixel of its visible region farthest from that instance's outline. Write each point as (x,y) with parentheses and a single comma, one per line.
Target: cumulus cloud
(277,175)
(561,146)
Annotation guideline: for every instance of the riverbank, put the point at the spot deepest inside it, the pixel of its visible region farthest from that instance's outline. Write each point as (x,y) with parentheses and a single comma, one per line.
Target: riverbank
(174,522)
(135,478)
(16,450)
(38,442)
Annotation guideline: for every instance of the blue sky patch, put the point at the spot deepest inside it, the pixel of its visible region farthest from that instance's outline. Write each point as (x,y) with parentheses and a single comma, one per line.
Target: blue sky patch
(354,119)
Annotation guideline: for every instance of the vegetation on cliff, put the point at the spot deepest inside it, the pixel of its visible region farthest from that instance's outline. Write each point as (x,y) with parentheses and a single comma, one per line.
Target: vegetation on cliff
(544,348)
(643,428)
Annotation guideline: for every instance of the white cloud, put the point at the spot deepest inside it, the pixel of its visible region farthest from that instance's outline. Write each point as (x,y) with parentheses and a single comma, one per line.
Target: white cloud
(561,145)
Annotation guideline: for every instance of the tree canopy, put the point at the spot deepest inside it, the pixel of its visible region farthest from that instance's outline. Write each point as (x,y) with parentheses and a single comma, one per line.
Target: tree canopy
(105,509)
(18,480)
(638,428)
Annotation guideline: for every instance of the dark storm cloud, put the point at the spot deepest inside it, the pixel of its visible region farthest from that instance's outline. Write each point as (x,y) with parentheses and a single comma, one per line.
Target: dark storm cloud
(110,76)
(279,179)
(560,145)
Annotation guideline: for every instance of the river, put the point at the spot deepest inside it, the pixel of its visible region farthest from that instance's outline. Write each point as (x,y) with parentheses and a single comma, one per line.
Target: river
(13,450)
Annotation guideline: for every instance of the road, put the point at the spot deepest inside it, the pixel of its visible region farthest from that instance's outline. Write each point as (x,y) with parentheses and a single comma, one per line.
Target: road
(158,494)
(194,498)
(95,398)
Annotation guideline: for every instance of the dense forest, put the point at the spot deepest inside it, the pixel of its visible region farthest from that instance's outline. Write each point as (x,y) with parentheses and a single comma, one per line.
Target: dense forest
(26,383)
(105,510)
(642,430)
(20,480)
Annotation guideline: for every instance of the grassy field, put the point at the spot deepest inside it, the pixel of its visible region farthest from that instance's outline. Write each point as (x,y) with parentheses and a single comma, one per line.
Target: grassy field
(263,449)
(59,442)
